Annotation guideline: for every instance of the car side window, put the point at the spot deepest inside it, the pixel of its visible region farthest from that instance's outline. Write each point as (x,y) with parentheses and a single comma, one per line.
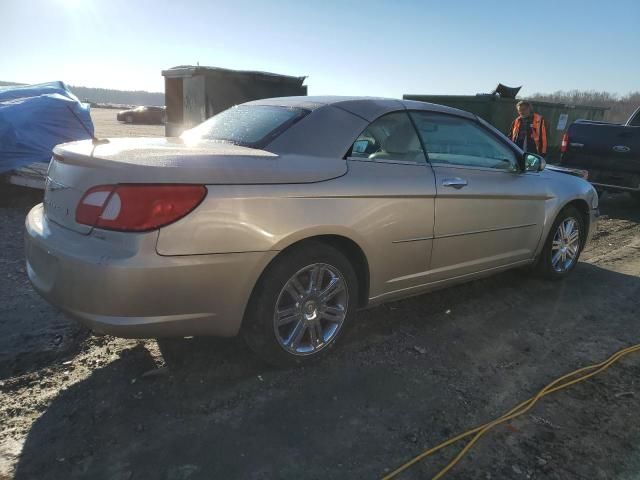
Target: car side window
(453,140)
(390,137)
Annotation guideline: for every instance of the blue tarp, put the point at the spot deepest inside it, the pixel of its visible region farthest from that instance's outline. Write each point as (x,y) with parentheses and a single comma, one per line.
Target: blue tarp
(35,118)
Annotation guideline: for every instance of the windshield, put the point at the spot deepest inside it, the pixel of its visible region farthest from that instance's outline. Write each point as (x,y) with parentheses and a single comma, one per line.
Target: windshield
(248,125)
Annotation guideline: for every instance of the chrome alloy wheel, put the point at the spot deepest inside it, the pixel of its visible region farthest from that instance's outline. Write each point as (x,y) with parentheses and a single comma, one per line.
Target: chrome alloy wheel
(310,309)
(566,245)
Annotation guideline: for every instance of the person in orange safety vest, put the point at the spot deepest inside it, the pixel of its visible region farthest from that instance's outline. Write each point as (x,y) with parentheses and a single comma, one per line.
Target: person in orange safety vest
(529,131)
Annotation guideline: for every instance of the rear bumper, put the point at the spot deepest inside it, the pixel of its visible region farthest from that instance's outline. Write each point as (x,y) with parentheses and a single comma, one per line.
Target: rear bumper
(116,283)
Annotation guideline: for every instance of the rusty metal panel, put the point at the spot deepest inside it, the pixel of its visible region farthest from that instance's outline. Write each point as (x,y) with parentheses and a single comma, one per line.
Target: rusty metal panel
(174,103)
(224,91)
(195,93)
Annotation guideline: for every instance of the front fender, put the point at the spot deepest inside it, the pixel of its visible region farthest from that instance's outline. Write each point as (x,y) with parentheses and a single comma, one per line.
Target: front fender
(564,190)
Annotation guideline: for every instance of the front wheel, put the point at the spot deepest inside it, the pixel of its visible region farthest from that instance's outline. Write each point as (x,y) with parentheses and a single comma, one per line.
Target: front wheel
(301,305)
(563,245)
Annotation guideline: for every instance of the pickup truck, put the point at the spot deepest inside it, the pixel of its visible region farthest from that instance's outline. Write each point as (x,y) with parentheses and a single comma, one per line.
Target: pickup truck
(609,152)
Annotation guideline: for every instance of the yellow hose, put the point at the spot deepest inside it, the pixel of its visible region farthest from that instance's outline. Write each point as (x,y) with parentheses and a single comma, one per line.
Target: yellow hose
(513,413)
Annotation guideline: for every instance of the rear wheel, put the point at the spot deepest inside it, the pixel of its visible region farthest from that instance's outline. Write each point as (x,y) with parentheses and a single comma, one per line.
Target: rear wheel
(300,305)
(563,245)
(635,196)
(128,119)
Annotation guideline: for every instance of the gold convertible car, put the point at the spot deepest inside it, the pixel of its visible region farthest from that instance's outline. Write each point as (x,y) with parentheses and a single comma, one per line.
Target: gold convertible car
(277,219)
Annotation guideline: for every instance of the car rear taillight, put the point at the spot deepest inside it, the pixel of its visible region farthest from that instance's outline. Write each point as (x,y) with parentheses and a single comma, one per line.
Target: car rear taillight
(137,208)
(565,143)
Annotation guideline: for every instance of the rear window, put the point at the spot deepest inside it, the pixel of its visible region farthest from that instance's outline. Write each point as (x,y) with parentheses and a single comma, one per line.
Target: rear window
(248,125)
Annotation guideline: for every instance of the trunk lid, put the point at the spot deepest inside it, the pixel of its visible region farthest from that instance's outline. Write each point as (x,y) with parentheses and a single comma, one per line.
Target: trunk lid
(78,166)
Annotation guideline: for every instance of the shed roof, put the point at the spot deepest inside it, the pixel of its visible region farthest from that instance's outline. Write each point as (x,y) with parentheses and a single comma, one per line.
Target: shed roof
(182,71)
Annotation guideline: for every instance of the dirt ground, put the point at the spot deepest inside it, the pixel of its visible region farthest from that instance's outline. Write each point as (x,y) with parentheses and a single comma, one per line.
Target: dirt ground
(406,376)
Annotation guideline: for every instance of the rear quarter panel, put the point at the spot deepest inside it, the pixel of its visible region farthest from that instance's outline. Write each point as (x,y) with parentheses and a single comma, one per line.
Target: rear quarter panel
(377,206)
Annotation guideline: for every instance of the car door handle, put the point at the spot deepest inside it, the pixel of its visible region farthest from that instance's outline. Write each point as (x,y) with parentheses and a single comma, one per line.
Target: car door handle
(454,182)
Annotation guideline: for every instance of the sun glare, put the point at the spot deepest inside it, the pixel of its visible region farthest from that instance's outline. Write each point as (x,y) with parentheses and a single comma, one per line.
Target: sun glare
(70,4)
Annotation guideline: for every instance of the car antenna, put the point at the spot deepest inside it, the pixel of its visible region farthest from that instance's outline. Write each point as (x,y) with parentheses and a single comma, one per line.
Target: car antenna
(95,140)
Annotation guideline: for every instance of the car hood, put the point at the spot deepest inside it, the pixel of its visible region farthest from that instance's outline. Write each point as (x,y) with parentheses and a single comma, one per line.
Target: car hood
(158,160)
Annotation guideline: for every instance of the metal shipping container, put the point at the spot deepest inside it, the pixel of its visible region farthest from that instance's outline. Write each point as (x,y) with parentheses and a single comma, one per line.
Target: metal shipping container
(195,93)
(500,112)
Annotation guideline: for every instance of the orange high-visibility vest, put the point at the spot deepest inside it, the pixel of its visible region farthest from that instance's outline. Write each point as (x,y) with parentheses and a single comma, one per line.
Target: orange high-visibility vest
(538,132)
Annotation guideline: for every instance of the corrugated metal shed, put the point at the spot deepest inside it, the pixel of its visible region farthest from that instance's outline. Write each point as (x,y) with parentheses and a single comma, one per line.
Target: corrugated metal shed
(195,93)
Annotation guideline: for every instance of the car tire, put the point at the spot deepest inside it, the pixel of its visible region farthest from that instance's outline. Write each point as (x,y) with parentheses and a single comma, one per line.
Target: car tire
(560,253)
(635,196)
(128,119)
(301,305)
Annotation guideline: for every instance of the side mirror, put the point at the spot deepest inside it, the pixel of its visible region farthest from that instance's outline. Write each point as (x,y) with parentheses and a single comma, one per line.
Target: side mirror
(533,162)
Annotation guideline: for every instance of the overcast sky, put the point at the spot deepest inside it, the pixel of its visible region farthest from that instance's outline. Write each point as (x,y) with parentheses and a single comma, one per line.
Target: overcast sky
(384,48)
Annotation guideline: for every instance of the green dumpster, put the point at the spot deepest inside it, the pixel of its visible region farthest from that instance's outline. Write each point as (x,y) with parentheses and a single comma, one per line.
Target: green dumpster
(500,112)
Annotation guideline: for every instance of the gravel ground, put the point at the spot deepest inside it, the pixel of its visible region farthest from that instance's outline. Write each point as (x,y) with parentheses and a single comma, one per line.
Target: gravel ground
(406,376)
